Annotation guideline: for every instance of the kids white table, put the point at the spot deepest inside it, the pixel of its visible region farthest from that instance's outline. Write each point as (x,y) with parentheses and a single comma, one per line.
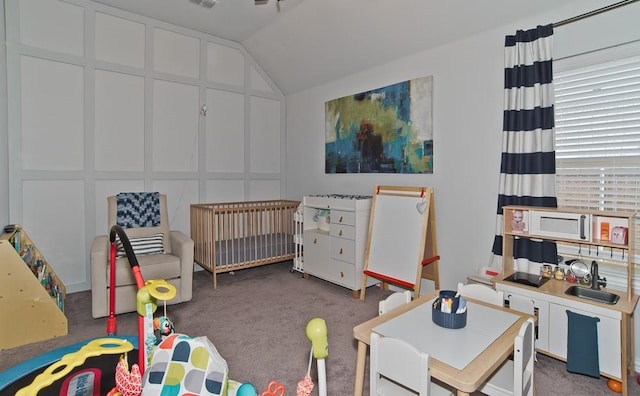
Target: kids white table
(463,358)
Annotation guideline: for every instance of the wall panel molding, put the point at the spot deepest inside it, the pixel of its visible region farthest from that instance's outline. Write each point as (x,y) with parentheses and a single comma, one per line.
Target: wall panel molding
(135,108)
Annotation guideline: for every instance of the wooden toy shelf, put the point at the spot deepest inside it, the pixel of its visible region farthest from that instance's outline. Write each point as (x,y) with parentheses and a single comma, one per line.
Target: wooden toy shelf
(31,294)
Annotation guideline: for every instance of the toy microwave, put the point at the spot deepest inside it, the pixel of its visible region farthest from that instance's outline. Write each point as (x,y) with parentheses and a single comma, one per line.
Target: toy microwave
(564,225)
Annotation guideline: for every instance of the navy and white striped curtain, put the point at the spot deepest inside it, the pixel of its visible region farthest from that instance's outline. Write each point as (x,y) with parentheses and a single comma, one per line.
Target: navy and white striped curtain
(527,171)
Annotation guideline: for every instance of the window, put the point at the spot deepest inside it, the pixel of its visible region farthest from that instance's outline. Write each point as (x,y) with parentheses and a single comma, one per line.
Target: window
(597,114)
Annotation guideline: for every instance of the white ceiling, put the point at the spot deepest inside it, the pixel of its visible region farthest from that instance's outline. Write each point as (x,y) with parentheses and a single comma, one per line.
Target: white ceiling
(311,42)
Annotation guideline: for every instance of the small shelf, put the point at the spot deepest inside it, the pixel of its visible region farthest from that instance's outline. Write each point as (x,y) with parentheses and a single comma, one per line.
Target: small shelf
(569,225)
(593,242)
(31,293)
(318,231)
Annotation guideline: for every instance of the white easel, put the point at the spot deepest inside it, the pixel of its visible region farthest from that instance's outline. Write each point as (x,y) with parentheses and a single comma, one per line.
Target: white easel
(402,248)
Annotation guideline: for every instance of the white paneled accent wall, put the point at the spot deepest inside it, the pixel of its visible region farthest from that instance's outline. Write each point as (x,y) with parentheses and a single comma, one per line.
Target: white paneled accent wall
(118,118)
(52,114)
(175,126)
(119,41)
(265,122)
(264,189)
(53,231)
(59,27)
(225,190)
(228,109)
(257,82)
(101,101)
(176,53)
(225,65)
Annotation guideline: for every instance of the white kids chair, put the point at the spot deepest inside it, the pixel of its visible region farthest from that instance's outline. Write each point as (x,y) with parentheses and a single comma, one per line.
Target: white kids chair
(394,301)
(482,293)
(515,377)
(398,369)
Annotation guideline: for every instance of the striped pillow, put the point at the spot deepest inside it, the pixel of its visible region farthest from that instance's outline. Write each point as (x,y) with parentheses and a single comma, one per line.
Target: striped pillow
(150,244)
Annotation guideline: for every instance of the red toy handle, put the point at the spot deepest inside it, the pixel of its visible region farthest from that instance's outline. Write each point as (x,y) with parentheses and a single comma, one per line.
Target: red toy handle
(135,268)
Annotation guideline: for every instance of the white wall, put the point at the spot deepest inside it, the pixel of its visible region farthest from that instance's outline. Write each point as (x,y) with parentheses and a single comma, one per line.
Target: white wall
(467,111)
(4,145)
(100,101)
(467,108)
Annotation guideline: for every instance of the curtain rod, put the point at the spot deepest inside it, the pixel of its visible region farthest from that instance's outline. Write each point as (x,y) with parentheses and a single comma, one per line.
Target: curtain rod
(594,12)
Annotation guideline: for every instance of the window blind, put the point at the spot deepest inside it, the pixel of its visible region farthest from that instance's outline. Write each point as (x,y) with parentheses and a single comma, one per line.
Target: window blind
(597,114)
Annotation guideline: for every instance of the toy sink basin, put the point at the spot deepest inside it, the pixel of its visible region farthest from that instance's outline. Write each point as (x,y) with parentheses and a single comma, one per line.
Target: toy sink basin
(593,295)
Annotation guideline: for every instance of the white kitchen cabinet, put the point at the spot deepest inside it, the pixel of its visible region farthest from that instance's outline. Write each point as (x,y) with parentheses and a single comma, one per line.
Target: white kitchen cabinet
(541,308)
(609,345)
(335,235)
(551,324)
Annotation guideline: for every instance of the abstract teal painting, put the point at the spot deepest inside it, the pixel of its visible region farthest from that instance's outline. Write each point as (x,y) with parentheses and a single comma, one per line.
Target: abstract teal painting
(384,130)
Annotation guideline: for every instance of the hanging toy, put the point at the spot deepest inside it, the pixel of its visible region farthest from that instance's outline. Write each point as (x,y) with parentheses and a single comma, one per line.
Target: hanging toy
(305,386)
(162,328)
(128,384)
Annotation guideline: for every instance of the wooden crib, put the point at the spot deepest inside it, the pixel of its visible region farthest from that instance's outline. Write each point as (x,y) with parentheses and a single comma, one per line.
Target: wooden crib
(231,236)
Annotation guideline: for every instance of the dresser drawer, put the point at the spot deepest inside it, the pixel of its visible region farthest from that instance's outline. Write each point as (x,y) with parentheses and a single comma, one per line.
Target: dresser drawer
(343,249)
(343,217)
(316,247)
(342,231)
(344,274)
(338,272)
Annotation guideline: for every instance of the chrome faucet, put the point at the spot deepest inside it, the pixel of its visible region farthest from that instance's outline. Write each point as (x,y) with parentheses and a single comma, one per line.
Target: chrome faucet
(596,282)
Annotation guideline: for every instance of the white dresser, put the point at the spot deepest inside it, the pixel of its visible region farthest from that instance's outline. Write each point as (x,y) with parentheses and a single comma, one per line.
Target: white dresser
(335,236)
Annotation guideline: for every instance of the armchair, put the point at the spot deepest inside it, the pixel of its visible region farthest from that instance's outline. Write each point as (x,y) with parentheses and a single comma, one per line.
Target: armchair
(175,265)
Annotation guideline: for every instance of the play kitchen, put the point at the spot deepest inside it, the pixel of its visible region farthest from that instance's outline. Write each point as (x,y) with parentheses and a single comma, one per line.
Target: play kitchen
(574,286)
(576,272)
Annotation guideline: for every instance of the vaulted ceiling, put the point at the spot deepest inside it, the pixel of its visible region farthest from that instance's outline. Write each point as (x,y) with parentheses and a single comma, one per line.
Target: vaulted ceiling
(304,43)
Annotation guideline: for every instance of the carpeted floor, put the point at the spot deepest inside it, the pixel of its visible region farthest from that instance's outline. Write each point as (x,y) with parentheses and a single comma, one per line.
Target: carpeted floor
(256,319)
